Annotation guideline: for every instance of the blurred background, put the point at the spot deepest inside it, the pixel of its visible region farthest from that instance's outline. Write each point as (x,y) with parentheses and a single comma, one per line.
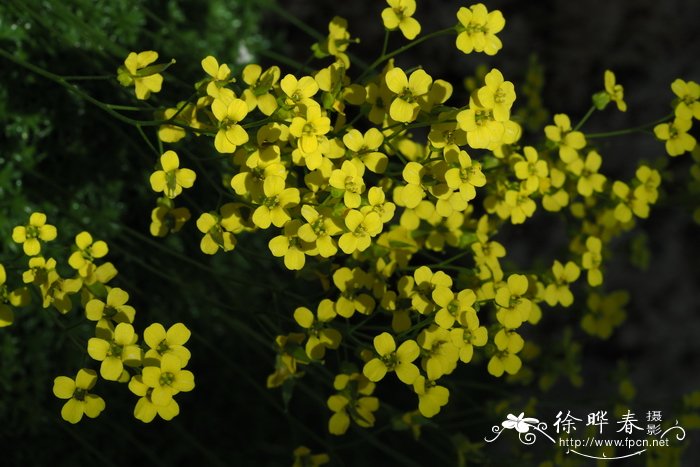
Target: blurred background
(86,170)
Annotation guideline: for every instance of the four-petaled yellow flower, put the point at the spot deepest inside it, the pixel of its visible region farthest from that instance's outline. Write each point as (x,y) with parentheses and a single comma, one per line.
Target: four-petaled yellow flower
(361,228)
(167,379)
(400,15)
(569,141)
(88,251)
(392,359)
(219,75)
(320,334)
(136,71)
(17,297)
(229,115)
(614,91)
(162,342)
(80,401)
(116,351)
(478,28)
(32,234)
(404,108)
(145,410)
(171,179)
(676,136)
(115,309)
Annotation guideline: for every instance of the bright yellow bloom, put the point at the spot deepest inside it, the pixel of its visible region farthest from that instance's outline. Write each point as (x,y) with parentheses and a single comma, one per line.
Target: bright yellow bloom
(614,91)
(649,180)
(469,336)
(219,75)
(136,71)
(431,397)
(412,193)
(32,234)
(497,95)
(17,297)
(558,291)
(348,181)
(628,203)
(361,228)
(319,230)
(676,135)
(440,354)
(115,351)
(260,83)
(504,361)
(453,307)
(482,128)
(590,180)
(229,115)
(309,129)
(115,308)
(404,108)
(464,175)
(531,170)
(145,410)
(162,342)
(478,28)
(379,204)
(88,251)
(688,99)
(569,141)
(171,179)
(392,359)
(290,246)
(80,401)
(320,334)
(520,204)
(366,147)
(514,308)
(167,380)
(299,91)
(350,283)
(217,236)
(400,15)
(276,201)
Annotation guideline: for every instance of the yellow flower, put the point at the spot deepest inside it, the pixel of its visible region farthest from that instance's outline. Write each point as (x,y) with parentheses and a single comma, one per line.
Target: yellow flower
(478,28)
(531,170)
(352,402)
(404,108)
(171,179)
(520,204)
(592,260)
(17,297)
(569,141)
(392,359)
(468,336)
(276,201)
(379,204)
(464,175)
(676,135)
(320,334)
(482,128)
(649,181)
(318,231)
(309,129)
(290,246)
(32,234)
(366,147)
(688,99)
(145,410)
(504,361)
(614,91)
(167,379)
(350,283)
(431,397)
(348,181)
(219,75)
(558,291)
(590,180)
(453,307)
(114,352)
(299,91)
(217,232)
(400,15)
(166,218)
(361,228)
(229,115)
(115,309)
(162,342)
(88,251)
(136,71)
(260,83)
(439,353)
(514,308)
(80,401)
(497,95)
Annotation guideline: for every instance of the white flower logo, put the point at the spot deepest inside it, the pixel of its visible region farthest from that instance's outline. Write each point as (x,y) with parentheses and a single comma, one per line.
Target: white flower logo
(520,423)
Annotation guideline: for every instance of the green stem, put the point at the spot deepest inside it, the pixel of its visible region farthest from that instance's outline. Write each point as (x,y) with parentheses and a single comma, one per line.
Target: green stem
(386,42)
(585,117)
(403,49)
(629,130)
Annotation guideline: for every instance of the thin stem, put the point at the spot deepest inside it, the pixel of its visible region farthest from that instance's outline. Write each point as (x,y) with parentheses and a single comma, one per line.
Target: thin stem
(406,47)
(386,42)
(585,117)
(629,130)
